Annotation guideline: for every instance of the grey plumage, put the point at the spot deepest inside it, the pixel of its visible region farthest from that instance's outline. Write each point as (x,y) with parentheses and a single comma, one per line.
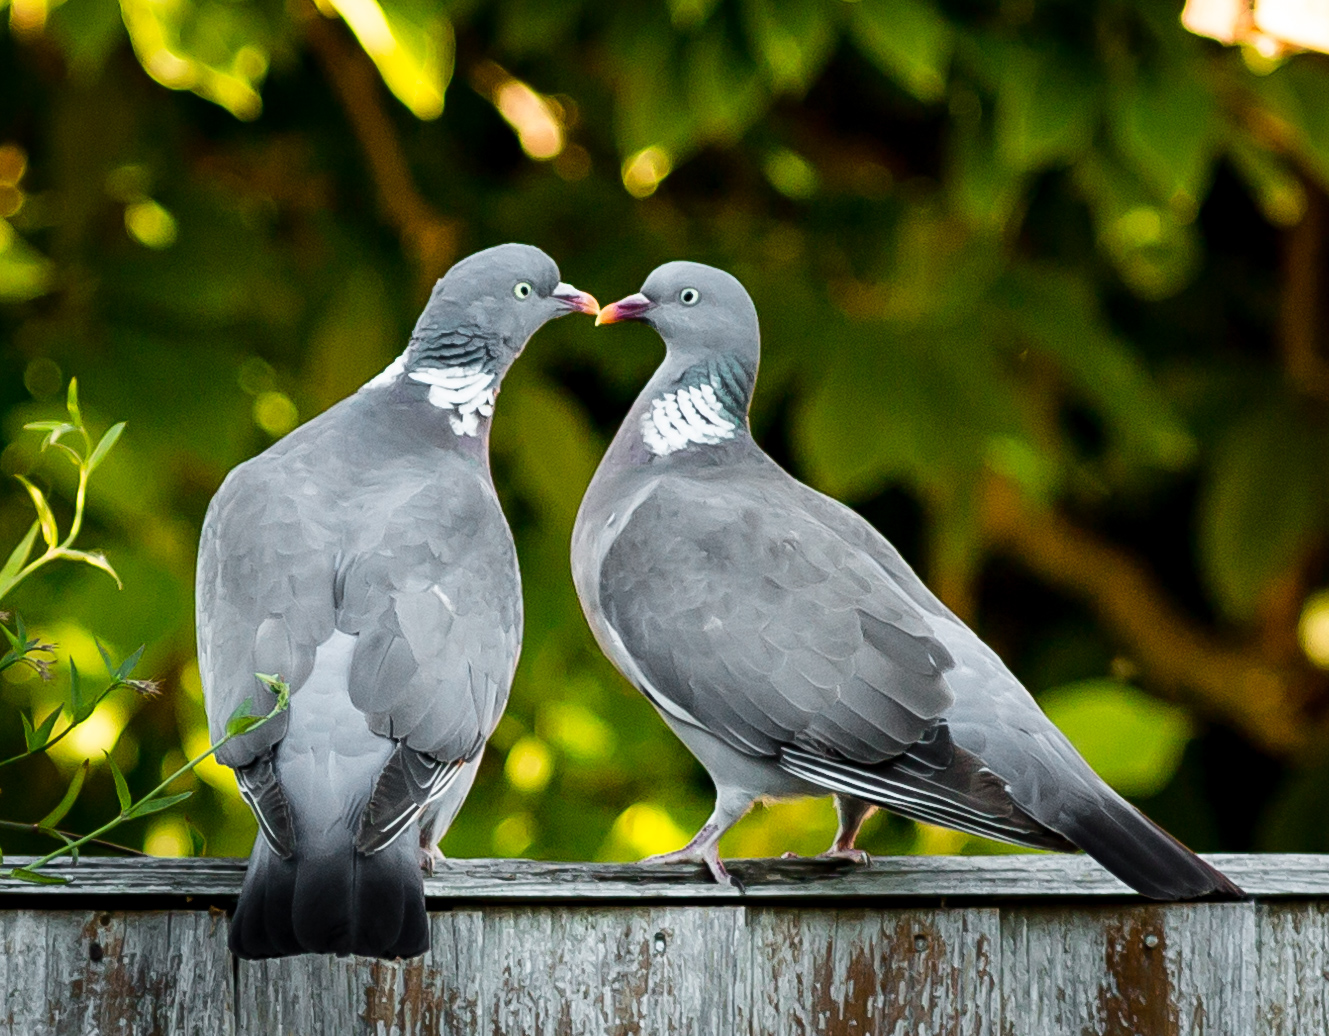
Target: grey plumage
(789,645)
(364,558)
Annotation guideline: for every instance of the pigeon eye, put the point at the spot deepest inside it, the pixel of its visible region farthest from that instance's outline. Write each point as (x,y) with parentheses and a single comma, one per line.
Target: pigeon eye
(689,296)
(522,290)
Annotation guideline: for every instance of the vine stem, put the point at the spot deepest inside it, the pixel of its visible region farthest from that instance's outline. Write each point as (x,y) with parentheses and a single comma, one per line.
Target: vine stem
(126,814)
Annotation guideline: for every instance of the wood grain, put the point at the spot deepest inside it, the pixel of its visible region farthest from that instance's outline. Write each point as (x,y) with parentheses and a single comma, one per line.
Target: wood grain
(1004,946)
(80,971)
(905,877)
(1156,970)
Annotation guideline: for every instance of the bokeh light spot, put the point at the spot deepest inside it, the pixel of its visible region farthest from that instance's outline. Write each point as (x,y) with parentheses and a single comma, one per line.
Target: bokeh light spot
(643,172)
(577,731)
(514,834)
(791,174)
(95,735)
(150,224)
(275,413)
(191,681)
(530,765)
(645,829)
(216,774)
(43,378)
(1313,629)
(167,836)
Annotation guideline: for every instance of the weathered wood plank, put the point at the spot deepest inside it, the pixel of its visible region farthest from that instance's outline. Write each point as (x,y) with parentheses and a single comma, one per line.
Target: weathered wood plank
(433,995)
(1293,980)
(114,974)
(612,970)
(1129,971)
(906,877)
(863,972)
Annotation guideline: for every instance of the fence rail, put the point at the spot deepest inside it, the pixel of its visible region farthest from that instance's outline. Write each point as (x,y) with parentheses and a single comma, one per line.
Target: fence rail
(994,946)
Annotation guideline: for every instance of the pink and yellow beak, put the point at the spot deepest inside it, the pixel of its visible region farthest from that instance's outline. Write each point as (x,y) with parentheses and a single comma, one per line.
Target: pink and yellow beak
(575,300)
(634,307)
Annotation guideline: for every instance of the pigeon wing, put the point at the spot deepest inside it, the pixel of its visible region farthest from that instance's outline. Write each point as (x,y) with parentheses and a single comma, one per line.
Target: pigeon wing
(434,600)
(264,600)
(755,622)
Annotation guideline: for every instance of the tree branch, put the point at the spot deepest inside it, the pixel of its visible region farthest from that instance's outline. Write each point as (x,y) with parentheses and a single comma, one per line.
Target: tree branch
(1299,307)
(1272,703)
(428,237)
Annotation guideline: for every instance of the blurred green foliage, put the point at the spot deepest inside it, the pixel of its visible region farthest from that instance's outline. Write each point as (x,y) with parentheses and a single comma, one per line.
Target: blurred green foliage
(1041,284)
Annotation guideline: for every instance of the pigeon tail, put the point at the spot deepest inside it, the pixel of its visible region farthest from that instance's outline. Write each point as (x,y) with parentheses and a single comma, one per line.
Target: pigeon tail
(330,898)
(1141,853)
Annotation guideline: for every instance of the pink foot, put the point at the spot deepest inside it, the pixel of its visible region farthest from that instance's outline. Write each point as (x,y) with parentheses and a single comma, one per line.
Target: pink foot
(858,856)
(430,858)
(710,857)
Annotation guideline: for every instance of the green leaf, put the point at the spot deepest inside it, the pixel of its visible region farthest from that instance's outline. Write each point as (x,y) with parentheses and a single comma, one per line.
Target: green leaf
(909,41)
(24,272)
(198,842)
(1133,741)
(1275,186)
(121,785)
(242,719)
(71,404)
(1047,108)
(50,533)
(792,41)
(1166,124)
(67,802)
(1262,505)
(1056,313)
(146,806)
(37,877)
(418,65)
(80,707)
(986,191)
(37,738)
(125,669)
(1154,247)
(96,559)
(108,440)
(18,558)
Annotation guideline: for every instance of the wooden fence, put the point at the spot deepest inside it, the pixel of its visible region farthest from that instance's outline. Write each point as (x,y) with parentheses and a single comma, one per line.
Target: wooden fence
(995,946)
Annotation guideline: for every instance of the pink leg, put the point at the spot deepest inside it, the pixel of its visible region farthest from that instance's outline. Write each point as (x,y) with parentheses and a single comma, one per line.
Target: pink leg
(705,845)
(851,813)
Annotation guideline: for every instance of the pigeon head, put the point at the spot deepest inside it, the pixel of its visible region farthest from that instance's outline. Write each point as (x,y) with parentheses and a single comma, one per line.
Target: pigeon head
(478,319)
(484,310)
(698,310)
(699,397)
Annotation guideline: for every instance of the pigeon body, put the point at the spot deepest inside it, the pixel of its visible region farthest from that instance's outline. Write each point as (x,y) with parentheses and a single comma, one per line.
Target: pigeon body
(364,559)
(792,649)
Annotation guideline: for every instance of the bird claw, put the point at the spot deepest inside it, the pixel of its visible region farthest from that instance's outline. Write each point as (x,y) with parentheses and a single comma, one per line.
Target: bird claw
(853,855)
(835,854)
(430,858)
(709,858)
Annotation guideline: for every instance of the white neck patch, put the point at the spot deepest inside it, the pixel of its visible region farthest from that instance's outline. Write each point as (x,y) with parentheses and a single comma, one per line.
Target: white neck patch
(469,392)
(691,414)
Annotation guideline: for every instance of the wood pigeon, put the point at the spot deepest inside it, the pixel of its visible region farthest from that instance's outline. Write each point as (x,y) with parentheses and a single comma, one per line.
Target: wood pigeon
(790,647)
(364,559)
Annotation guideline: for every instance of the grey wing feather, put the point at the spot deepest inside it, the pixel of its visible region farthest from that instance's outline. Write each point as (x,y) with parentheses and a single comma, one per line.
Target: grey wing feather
(435,601)
(422,571)
(259,610)
(261,789)
(409,783)
(722,599)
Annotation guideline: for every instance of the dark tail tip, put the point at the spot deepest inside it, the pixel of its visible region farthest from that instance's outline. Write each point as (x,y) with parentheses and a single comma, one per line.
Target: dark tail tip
(1146,857)
(346,903)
